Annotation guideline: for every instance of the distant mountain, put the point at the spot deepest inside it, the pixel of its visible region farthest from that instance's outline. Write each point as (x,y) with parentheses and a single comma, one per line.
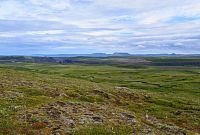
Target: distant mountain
(84,55)
(99,55)
(121,54)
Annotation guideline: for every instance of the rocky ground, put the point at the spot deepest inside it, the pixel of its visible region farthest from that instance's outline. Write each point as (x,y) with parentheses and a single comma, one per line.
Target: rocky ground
(38,104)
(61,118)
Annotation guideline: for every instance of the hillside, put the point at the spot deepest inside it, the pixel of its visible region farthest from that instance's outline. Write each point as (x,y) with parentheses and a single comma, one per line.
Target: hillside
(122,61)
(38,98)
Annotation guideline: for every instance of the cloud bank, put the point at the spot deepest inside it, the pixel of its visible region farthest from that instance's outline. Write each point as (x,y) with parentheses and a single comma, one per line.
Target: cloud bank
(90,26)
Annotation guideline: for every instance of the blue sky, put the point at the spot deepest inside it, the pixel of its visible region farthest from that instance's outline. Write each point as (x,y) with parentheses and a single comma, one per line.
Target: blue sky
(90,26)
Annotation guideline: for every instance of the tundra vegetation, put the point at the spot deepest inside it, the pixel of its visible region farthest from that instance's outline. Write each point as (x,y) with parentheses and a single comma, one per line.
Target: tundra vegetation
(100,96)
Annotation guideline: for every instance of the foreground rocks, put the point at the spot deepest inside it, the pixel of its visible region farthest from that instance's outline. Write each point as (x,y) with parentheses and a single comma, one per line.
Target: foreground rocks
(65,117)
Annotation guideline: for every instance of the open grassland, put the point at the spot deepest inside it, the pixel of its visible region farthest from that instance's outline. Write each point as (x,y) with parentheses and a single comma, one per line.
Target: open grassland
(98,99)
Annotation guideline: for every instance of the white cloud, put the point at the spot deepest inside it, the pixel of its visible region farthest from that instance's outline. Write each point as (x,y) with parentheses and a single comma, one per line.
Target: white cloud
(121,24)
(10,9)
(53,4)
(140,46)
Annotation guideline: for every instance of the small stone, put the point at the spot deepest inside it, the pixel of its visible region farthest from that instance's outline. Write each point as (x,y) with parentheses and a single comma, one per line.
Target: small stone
(121,88)
(70,123)
(132,121)
(75,110)
(61,103)
(97,119)
(127,115)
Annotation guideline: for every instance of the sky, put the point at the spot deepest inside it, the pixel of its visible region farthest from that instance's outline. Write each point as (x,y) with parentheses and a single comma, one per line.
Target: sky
(99,26)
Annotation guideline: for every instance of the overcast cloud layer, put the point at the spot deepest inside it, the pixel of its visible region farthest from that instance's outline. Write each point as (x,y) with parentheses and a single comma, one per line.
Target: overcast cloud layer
(89,26)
